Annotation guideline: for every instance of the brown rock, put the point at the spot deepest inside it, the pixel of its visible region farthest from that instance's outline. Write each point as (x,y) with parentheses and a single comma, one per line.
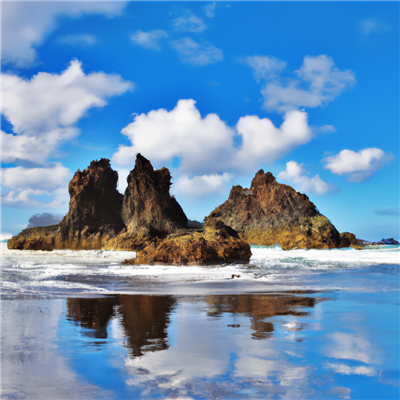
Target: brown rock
(153,224)
(217,243)
(348,239)
(148,208)
(270,213)
(95,202)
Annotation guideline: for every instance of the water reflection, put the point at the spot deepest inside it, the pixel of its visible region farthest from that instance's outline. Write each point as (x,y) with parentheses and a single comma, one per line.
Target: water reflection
(144,318)
(259,307)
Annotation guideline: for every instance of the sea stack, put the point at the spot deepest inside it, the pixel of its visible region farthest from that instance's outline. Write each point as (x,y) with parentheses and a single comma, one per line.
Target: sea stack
(148,208)
(270,213)
(95,203)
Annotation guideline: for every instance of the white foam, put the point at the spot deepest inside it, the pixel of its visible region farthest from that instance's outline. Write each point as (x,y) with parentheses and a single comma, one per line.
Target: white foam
(102,271)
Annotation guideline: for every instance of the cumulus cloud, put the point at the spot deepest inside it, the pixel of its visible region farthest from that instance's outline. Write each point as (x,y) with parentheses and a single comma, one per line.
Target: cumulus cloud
(22,185)
(42,179)
(44,219)
(265,143)
(189,23)
(196,53)
(150,39)
(83,39)
(42,110)
(206,146)
(202,143)
(296,174)
(202,186)
(317,82)
(25,25)
(357,166)
(369,26)
(210,9)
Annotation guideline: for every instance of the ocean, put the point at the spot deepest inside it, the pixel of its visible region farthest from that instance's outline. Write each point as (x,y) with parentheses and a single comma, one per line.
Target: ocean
(298,324)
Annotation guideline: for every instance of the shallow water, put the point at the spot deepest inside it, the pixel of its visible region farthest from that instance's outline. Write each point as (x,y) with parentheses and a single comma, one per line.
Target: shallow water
(83,326)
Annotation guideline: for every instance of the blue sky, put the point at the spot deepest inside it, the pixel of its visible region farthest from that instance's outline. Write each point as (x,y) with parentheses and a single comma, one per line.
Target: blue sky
(212,90)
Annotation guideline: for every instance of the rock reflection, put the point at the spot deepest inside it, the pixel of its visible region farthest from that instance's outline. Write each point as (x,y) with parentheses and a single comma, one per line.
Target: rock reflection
(92,314)
(144,319)
(258,308)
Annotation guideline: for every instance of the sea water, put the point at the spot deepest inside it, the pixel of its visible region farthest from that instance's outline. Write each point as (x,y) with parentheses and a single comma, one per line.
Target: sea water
(320,324)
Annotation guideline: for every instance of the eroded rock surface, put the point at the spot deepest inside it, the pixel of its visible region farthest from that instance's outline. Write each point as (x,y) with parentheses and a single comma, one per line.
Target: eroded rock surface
(215,243)
(148,208)
(270,213)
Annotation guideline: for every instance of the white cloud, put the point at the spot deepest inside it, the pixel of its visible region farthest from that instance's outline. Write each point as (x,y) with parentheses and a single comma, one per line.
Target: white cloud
(317,83)
(358,166)
(297,175)
(369,26)
(201,186)
(347,346)
(25,25)
(206,145)
(150,39)
(42,110)
(202,143)
(5,236)
(265,67)
(19,178)
(21,185)
(189,23)
(347,370)
(195,53)
(210,9)
(265,143)
(82,39)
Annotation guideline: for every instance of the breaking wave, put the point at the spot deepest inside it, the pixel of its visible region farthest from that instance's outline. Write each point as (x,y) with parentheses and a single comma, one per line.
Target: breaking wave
(99,272)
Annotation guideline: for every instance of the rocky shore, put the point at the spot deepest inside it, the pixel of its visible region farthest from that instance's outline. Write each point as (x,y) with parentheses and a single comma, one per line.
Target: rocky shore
(146,219)
(150,222)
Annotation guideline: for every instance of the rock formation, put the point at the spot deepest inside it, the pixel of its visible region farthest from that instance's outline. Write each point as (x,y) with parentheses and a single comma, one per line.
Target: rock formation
(148,208)
(216,243)
(147,219)
(270,213)
(348,239)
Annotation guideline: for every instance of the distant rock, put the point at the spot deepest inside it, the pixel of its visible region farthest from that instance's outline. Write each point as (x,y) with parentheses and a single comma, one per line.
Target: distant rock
(389,241)
(270,212)
(348,239)
(148,208)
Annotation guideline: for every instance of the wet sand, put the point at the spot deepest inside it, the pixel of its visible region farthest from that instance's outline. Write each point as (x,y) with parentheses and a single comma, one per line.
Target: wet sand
(304,345)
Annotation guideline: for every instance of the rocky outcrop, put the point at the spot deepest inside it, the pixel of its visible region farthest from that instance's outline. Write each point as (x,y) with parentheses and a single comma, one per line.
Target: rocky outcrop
(270,213)
(216,243)
(348,239)
(95,206)
(94,200)
(147,219)
(148,208)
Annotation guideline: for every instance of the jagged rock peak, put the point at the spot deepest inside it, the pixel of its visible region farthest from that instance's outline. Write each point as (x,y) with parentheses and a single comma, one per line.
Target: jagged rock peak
(94,199)
(270,212)
(148,208)
(262,179)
